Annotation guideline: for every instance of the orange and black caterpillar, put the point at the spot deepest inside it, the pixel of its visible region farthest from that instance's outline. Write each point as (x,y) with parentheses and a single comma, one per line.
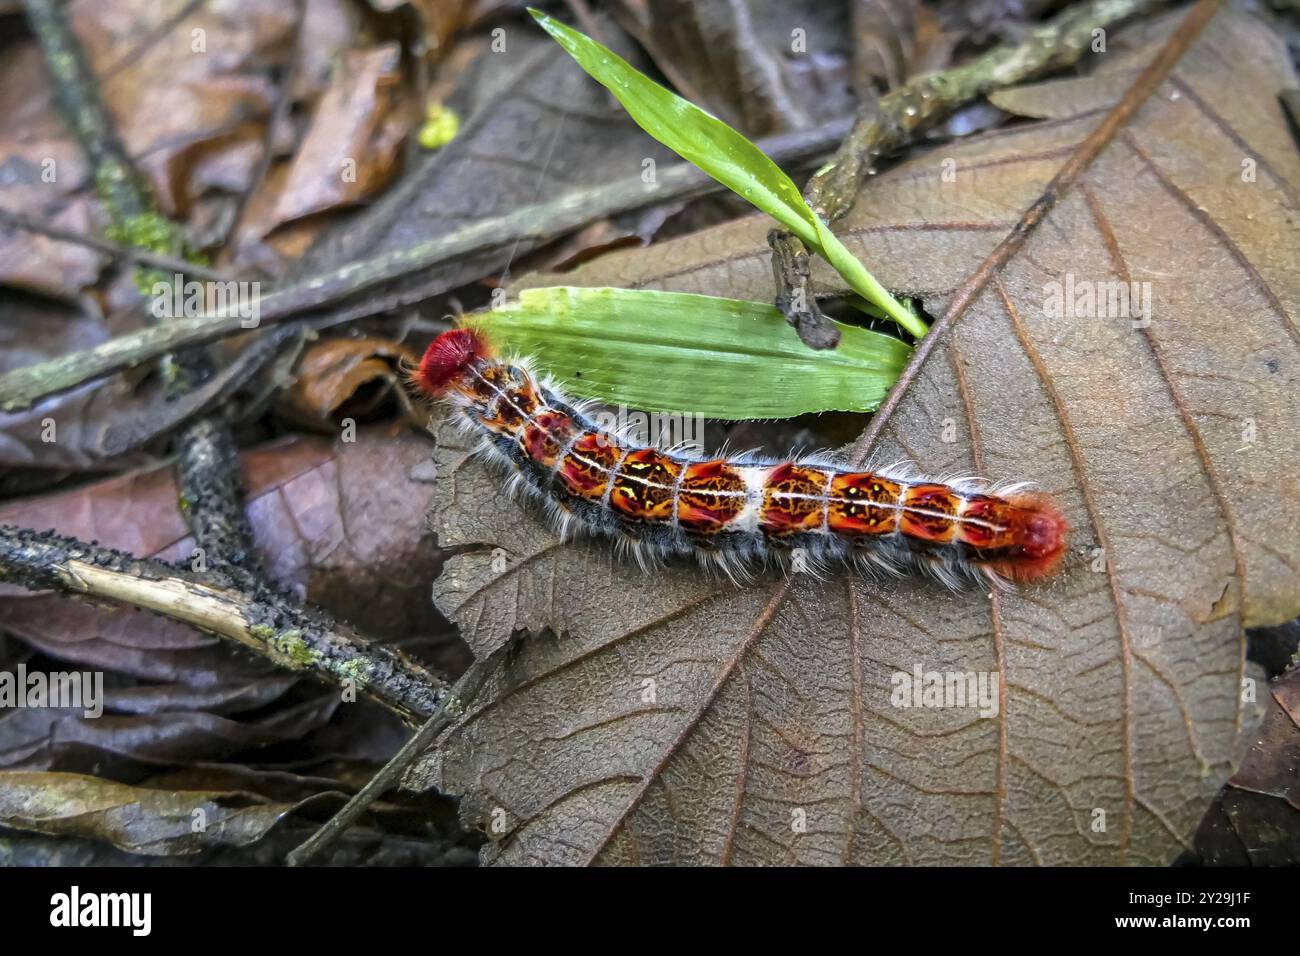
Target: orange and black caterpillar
(734,512)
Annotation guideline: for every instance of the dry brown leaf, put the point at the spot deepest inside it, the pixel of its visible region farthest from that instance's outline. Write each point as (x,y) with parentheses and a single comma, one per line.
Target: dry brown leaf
(1272,765)
(532,125)
(252,818)
(43,169)
(188,89)
(763,67)
(1256,819)
(338,373)
(677,719)
(140,820)
(334,520)
(185,85)
(351,149)
(441,21)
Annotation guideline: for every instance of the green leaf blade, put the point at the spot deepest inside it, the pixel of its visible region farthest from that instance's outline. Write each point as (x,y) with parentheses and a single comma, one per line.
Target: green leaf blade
(673,352)
(694,134)
(729,157)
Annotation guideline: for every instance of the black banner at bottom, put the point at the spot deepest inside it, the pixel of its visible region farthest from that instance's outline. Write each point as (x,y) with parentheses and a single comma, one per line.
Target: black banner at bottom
(365,906)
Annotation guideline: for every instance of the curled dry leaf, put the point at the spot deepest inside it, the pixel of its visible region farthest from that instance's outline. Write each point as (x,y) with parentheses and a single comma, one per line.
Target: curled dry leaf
(252,817)
(136,819)
(351,149)
(679,719)
(356,373)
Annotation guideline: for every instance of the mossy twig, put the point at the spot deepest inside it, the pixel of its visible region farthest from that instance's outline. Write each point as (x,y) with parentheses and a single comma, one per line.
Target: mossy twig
(231,604)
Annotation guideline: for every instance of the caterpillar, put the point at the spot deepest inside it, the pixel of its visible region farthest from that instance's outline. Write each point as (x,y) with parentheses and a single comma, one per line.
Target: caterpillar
(733,512)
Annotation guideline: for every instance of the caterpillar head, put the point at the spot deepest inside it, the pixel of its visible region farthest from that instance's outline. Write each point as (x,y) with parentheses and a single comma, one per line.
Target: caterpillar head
(446,360)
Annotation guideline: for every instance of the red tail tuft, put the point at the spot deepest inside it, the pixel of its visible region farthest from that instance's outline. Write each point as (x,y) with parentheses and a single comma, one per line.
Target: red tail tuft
(446,358)
(1041,535)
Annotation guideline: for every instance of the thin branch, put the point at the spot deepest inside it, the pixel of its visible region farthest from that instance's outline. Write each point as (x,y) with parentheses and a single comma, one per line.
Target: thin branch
(795,296)
(342,287)
(145,257)
(894,120)
(229,604)
(450,709)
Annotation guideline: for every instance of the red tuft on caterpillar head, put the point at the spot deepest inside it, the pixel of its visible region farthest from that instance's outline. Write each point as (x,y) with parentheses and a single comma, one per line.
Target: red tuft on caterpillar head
(449,355)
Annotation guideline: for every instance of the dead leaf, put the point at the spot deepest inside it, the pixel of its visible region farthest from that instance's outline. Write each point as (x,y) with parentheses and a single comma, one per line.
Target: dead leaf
(1272,765)
(38,263)
(185,88)
(1256,819)
(676,719)
(764,68)
(149,822)
(253,818)
(340,523)
(189,88)
(43,169)
(894,40)
(71,431)
(442,20)
(351,149)
(358,846)
(334,373)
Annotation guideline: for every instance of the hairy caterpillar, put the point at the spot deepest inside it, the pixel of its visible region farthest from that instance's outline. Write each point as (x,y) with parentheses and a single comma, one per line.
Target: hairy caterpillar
(734,512)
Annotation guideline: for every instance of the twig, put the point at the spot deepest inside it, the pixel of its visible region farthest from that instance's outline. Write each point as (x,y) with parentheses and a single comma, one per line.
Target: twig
(156,260)
(451,707)
(212,502)
(342,287)
(792,273)
(230,604)
(895,119)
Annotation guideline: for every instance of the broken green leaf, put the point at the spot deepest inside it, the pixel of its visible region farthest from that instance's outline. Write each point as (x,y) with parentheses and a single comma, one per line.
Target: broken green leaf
(692,354)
